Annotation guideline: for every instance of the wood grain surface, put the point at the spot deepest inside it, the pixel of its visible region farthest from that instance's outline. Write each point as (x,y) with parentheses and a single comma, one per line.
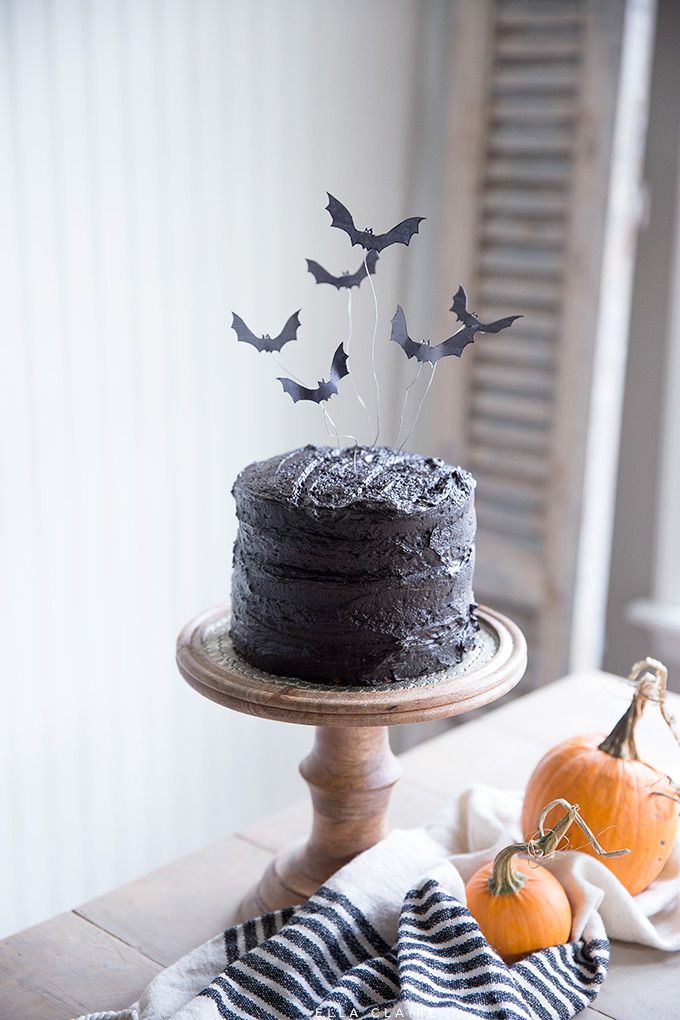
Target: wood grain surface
(86,961)
(66,967)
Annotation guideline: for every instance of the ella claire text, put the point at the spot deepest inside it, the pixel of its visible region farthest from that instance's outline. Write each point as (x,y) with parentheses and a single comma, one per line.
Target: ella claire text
(379,1012)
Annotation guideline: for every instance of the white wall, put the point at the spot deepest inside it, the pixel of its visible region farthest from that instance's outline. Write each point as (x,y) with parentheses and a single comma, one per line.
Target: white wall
(161,162)
(634,548)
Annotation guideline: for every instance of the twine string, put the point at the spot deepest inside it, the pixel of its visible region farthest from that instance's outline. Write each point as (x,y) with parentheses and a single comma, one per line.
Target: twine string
(652,676)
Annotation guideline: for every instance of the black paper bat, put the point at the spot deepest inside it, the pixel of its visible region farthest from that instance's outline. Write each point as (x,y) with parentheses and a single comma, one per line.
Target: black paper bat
(325,388)
(470,320)
(347,279)
(342,218)
(453,345)
(266,343)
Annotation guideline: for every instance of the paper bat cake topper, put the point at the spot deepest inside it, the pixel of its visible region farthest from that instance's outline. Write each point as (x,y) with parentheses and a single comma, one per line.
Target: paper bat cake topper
(325,388)
(470,320)
(342,218)
(453,345)
(348,279)
(266,344)
(423,351)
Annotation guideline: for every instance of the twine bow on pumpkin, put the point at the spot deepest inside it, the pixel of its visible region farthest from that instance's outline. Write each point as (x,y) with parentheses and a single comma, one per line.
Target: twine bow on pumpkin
(651,683)
(546,845)
(543,847)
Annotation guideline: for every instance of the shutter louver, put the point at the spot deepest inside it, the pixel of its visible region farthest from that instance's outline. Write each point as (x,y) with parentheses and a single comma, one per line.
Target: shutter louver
(545,148)
(523,235)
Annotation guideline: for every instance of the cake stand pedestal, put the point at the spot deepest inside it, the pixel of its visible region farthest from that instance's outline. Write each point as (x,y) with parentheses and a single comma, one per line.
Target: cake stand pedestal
(351,769)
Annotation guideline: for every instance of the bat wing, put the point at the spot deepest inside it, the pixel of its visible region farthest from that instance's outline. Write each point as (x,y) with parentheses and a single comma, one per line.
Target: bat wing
(322,275)
(499,324)
(459,307)
(246,335)
(325,389)
(371,261)
(288,333)
(411,348)
(356,279)
(347,280)
(339,368)
(266,344)
(401,234)
(295,391)
(454,345)
(341,217)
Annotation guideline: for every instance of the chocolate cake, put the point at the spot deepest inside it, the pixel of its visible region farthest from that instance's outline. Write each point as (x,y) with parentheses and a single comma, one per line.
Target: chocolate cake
(353,566)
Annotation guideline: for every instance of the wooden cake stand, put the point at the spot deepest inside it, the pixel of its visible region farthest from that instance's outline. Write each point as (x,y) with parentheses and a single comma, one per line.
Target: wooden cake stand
(351,768)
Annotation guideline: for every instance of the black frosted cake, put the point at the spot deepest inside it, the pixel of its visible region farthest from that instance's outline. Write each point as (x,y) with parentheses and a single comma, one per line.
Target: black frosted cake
(353,566)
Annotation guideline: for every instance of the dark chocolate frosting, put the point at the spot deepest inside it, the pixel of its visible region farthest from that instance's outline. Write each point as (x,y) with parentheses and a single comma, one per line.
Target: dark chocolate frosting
(353,565)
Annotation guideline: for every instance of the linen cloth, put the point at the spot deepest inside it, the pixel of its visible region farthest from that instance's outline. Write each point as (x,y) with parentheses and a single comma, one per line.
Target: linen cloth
(389,936)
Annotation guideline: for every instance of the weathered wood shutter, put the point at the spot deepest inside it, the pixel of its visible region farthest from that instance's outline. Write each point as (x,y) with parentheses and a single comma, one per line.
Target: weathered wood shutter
(548,115)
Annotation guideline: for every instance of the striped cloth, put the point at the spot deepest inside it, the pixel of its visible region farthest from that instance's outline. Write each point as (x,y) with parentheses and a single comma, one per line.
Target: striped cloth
(389,936)
(326,959)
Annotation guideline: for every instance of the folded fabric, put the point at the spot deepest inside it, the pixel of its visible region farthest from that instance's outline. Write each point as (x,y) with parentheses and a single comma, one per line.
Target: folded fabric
(389,935)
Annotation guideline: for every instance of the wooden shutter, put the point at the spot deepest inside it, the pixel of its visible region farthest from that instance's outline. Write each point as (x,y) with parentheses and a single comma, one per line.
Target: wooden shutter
(548,114)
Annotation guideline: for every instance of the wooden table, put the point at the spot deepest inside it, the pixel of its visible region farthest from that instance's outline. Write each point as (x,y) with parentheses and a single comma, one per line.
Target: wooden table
(102,954)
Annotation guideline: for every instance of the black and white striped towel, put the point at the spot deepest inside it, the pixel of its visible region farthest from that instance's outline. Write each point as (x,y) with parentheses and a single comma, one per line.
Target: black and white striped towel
(390,936)
(326,959)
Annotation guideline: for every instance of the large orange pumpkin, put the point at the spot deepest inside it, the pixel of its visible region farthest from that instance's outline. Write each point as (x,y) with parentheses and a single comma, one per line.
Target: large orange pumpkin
(626,801)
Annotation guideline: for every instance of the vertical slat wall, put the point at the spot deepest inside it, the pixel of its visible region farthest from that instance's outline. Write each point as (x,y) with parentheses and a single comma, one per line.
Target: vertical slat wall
(548,117)
(534,102)
(161,161)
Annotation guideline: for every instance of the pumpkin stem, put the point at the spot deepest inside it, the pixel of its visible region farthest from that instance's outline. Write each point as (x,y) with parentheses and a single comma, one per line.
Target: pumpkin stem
(621,741)
(505,879)
(651,677)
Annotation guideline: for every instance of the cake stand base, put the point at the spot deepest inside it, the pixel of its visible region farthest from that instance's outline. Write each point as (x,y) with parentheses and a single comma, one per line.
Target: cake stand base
(351,769)
(350,772)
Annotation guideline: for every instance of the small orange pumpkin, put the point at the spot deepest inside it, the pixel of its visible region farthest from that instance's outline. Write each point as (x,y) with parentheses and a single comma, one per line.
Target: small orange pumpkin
(520,906)
(624,798)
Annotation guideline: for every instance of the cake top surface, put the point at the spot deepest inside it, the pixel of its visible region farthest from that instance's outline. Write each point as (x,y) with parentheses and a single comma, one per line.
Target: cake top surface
(318,478)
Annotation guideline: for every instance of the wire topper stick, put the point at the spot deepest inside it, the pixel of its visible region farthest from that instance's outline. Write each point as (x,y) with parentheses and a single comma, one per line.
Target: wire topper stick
(372,244)
(404,402)
(351,375)
(420,406)
(373,368)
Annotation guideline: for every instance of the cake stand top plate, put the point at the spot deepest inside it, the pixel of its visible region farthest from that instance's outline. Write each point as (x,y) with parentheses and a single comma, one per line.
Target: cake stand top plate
(208,662)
